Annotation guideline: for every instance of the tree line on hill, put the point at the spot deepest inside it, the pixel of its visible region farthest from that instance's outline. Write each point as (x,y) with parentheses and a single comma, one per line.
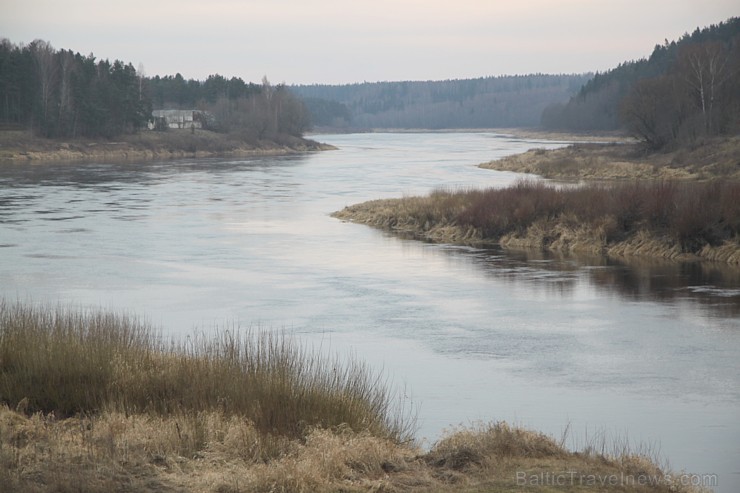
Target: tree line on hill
(59,93)
(487,102)
(685,90)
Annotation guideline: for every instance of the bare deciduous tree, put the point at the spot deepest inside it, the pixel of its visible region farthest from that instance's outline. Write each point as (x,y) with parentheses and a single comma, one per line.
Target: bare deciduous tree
(66,110)
(43,55)
(705,69)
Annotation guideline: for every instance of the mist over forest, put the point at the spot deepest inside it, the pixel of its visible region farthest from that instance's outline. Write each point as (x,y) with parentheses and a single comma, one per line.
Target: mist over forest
(486,102)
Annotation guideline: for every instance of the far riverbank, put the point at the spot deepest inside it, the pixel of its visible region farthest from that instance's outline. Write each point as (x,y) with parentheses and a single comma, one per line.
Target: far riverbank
(627,160)
(19,146)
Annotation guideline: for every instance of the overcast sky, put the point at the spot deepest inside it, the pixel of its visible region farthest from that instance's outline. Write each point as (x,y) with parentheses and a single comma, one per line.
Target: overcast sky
(340,41)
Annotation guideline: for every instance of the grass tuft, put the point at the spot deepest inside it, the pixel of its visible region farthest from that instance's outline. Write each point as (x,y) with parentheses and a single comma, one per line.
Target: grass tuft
(70,362)
(466,447)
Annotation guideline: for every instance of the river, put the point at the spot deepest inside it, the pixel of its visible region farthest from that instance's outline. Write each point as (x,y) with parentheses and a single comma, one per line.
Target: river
(645,354)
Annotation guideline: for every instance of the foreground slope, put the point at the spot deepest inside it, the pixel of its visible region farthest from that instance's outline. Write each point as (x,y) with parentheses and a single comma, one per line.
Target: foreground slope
(96,402)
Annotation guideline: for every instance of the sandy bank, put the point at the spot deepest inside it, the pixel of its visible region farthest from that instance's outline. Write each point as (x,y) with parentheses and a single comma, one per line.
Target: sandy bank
(22,146)
(582,137)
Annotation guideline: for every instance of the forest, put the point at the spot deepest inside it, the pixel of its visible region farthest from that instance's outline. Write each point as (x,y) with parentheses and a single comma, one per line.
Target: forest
(65,94)
(685,90)
(58,93)
(487,102)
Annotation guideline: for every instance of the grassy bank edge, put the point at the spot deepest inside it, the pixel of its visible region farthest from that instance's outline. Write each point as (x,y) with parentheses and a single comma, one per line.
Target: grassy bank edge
(639,220)
(199,445)
(570,239)
(624,160)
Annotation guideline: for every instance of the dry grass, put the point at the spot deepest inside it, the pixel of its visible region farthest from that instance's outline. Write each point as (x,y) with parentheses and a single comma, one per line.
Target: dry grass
(668,219)
(211,452)
(706,160)
(95,402)
(69,362)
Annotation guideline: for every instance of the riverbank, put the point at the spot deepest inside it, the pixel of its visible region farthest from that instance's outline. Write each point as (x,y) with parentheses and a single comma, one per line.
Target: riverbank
(22,146)
(670,220)
(712,158)
(98,402)
(601,137)
(210,452)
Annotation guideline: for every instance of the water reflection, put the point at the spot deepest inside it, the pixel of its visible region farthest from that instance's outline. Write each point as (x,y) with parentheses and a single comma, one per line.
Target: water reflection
(713,286)
(71,191)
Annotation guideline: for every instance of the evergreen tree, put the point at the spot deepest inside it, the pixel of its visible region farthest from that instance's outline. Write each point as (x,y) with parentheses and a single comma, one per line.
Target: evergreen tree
(62,94)
(65,94)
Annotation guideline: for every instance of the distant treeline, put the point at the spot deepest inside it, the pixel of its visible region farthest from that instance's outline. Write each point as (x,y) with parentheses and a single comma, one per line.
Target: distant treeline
(506,101)
(59,93)
(686,89)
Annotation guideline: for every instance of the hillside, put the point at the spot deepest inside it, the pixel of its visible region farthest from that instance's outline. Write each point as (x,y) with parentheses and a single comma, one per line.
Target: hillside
(694,74)
(490,102)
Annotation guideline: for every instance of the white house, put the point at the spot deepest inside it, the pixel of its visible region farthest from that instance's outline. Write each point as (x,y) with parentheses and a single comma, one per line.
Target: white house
(186,119)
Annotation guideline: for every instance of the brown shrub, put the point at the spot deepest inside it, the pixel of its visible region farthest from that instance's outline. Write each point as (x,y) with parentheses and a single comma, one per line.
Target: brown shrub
(692,213)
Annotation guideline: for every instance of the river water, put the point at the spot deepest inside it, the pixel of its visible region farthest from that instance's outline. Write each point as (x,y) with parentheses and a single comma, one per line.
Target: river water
(645,354)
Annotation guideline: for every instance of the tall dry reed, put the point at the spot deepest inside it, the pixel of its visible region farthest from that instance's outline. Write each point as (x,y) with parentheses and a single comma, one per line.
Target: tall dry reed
(73,362)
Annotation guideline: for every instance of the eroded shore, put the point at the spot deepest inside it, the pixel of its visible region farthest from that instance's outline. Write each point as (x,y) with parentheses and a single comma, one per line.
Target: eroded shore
(633,220)
(558,236)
